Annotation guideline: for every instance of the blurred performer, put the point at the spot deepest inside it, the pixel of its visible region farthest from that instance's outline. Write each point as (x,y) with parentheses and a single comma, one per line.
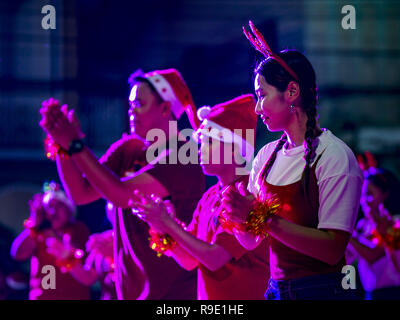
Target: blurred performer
(98,265)
(101,260)
(376,240)
(226,271)
(50,224)
(156,100)
(311,175)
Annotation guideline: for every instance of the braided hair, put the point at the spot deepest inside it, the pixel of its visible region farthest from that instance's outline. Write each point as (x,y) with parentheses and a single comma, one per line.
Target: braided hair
(277,76)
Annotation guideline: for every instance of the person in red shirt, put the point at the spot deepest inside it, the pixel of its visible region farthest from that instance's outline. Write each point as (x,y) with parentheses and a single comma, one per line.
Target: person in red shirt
(226,271)
(156,99)
(52,221)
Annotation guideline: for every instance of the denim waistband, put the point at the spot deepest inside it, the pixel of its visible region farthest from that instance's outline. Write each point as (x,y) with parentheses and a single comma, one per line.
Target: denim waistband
(328,279)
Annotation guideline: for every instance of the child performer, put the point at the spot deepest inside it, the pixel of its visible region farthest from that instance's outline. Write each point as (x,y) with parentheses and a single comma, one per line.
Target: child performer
(225,269)
(51,222)
(313,176)
(376,240)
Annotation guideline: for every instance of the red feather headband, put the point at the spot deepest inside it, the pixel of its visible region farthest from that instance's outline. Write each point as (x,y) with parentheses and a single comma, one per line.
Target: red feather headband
(261,45)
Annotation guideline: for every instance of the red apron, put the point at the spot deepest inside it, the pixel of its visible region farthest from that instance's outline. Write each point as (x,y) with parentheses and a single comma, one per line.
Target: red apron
(296,207)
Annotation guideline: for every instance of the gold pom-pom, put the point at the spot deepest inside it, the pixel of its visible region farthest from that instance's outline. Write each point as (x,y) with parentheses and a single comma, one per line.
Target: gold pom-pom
(259,216)
(257,219)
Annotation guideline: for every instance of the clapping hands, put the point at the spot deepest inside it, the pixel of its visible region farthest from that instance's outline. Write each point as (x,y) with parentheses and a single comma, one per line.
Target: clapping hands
(60,123)
(237,202)
(152,209)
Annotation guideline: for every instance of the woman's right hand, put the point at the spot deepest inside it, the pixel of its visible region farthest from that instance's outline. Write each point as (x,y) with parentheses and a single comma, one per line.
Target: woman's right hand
(237,202)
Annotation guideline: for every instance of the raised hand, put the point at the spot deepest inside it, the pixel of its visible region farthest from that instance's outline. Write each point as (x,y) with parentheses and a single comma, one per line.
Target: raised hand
(237,202)
(50,110)
(73,119)
(60,123)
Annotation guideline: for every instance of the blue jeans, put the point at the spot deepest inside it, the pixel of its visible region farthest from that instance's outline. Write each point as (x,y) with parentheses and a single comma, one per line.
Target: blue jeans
(317,287)
(390,293)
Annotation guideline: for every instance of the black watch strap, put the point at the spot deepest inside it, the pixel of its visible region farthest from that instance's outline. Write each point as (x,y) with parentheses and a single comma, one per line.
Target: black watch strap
(75,146)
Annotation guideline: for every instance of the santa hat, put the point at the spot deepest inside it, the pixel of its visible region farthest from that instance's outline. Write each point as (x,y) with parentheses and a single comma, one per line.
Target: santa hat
(171,86)
(229,121)
(52,190)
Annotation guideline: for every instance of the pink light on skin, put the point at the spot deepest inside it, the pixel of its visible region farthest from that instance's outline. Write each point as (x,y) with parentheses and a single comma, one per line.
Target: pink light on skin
(110,206)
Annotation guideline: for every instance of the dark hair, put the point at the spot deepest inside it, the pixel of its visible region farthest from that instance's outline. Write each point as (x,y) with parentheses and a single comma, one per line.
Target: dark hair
(388,183)
(277,76)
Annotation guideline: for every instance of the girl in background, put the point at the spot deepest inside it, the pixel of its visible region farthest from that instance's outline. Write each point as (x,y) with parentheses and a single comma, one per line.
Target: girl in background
(52,225)
(375,242)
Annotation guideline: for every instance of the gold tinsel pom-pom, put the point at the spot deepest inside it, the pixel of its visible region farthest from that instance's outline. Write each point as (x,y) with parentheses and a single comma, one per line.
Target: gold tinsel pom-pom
(260,214)
(160,242)
(257,218)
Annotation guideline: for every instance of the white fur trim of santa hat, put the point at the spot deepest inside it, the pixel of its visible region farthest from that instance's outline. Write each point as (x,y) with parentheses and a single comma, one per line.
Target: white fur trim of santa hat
(212,129)
(166,92)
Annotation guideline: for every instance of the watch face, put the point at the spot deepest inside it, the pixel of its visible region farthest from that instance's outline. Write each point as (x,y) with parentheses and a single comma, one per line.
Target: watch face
(75,147)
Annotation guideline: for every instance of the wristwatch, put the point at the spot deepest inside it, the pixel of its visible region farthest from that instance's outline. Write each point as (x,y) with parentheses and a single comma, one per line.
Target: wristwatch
(75,146)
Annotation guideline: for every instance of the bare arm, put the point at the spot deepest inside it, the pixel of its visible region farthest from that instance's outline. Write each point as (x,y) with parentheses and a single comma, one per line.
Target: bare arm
(75,184)
(84,276)
(23,246)
(212,256)
(190,250)
(369,254)
(182,257)
(110,186)
(325,245)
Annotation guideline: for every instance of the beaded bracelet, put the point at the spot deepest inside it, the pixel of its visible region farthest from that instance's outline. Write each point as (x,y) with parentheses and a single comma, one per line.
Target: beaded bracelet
(52,149)
(161,243)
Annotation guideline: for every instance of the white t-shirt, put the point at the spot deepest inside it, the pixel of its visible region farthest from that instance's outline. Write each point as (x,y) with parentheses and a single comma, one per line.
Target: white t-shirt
(382,273)
(338,175)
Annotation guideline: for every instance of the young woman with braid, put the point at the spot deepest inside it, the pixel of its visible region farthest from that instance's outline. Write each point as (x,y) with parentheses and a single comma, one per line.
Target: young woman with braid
(313,176)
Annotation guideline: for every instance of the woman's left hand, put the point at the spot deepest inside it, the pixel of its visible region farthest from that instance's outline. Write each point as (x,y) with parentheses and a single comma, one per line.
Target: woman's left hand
(237,202)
